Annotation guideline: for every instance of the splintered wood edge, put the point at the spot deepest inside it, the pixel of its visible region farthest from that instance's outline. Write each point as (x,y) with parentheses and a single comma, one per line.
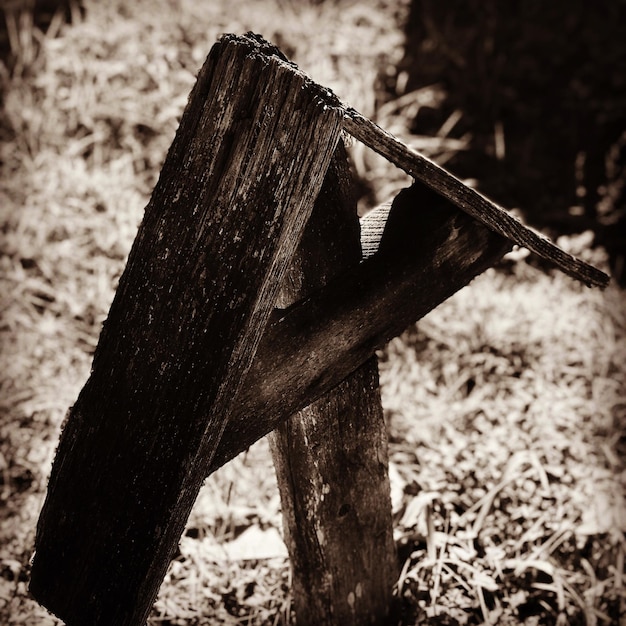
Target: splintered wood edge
(467,199)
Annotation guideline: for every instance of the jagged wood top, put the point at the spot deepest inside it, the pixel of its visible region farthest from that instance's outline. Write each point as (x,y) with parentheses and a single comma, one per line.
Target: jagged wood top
(467,199)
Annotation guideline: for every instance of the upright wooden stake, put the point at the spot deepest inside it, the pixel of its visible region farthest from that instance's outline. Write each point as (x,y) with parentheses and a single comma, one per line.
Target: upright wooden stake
(236,190)
(331,458)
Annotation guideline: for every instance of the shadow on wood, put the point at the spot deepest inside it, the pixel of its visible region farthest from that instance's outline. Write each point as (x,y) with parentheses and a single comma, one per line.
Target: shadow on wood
(432,251)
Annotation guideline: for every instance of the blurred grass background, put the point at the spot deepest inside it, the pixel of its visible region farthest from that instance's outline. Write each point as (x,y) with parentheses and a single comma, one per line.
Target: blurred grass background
(506,406)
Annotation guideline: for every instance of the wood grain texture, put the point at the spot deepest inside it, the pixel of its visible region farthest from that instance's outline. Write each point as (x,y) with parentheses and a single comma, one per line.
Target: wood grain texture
(431,251)
(331,457)
(226,215)
(468,199)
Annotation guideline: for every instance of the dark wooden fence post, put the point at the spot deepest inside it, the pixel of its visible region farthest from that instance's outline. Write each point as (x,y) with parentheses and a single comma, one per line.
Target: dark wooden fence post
(331,457)
(234,195)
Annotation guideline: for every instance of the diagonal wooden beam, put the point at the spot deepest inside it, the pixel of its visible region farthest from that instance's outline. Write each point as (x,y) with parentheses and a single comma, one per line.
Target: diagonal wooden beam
(428,251)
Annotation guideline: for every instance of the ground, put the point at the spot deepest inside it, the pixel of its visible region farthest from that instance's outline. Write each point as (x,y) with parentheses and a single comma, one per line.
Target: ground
(506,406)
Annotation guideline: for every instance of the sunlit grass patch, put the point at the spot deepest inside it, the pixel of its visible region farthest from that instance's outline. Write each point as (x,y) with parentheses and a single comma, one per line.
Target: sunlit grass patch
(505,418)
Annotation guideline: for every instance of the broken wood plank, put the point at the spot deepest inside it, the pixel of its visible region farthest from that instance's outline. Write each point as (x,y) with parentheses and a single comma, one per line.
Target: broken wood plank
(331,457)
(429,250)
(226,215)
(468,199)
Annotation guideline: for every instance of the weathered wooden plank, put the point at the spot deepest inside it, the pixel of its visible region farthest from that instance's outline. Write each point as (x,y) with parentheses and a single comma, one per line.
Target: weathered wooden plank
(234,194)
(468,199)
(331,457)
(429,250)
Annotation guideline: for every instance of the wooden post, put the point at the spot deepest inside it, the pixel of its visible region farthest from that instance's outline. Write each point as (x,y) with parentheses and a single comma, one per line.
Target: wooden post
(234,195)
(331,457)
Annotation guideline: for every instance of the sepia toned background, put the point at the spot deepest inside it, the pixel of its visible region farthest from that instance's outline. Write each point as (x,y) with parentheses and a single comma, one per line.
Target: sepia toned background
(506,406)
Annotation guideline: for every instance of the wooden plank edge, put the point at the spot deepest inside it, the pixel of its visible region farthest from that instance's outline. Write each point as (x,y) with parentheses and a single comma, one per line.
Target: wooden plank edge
(467,199)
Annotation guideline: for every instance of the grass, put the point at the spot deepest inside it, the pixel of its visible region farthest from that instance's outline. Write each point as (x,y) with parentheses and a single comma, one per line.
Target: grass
(506,406)
(513,453)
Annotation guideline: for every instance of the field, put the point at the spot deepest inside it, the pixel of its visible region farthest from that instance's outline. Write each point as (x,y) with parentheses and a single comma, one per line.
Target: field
(506,406)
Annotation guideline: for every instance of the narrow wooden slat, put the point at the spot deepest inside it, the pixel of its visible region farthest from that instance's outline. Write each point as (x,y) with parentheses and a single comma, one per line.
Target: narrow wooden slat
(234,195)
(468,199)
(430,250)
